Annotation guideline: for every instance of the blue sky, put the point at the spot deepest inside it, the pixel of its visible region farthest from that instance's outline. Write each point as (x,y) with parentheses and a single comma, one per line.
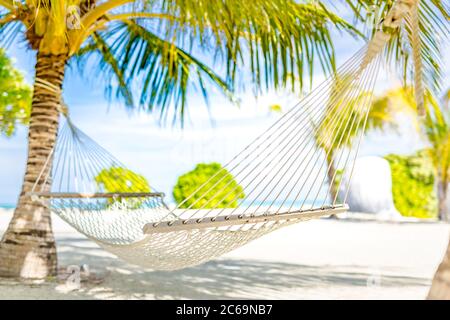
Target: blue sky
(163,153)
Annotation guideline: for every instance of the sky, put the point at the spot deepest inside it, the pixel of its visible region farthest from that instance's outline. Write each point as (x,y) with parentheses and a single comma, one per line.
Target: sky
(163,153)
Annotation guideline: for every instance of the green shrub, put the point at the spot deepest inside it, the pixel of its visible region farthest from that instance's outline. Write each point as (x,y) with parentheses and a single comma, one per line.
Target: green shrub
(214,198)
(413,185)
(15,97)
(118,179)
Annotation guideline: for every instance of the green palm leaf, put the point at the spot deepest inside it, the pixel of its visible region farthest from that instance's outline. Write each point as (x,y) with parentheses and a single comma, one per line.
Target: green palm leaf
(158,54)
(434,33)
(152,47)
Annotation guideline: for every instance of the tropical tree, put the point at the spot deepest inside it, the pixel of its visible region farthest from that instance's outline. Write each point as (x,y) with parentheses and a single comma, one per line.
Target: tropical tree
(382,114)
(413,184)
(150,43)
(118,179)
(208,186)
(415,49)
(437,130)
(440,287)
(15,97)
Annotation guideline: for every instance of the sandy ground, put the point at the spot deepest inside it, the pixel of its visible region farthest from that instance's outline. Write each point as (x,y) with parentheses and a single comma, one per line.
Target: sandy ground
(321,259)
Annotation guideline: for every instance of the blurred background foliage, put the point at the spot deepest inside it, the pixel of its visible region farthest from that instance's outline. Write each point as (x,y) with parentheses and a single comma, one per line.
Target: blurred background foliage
(413,184)
(193,190)
(15,97)
(118,179)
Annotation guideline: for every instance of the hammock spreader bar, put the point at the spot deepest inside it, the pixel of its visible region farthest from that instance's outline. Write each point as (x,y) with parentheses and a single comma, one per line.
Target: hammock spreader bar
(234,220)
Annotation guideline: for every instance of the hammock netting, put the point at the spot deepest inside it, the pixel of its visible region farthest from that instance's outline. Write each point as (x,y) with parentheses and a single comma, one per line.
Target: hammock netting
(284,176)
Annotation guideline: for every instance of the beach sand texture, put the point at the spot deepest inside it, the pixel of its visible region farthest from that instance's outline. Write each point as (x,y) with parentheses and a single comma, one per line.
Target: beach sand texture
(320,259)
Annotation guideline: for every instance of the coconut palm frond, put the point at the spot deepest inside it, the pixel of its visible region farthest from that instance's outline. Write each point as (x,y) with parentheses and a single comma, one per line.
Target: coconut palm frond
(110,69)
(434,29)
(278,39)
(437,130)
(9,32)
(8,4)
(161,44)
(164,71)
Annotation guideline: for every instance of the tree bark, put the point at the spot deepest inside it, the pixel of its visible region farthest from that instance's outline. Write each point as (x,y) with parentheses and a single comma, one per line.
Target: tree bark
(440,288)
(28,249)
(331,174)
(332,177)
(442,200)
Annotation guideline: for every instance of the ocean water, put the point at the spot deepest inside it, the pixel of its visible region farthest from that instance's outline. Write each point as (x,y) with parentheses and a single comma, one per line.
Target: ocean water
(244,203)
(7,206)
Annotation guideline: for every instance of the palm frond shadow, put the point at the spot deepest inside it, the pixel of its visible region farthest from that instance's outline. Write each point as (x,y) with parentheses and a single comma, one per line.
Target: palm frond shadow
(220,279)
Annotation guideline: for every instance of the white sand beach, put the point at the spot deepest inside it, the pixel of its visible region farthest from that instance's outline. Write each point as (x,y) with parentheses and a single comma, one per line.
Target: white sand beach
(321,259)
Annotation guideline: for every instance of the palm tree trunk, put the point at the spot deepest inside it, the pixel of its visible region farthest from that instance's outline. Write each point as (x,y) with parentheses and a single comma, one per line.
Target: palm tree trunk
(332,177)
(27,249)
(331,174)
(442,199)
(440,288)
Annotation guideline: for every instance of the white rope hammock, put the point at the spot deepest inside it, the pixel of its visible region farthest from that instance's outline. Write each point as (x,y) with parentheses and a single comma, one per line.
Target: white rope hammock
(284,176)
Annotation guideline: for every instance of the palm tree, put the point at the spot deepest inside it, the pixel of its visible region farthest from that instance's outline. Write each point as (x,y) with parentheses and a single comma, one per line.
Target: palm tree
(416,46)
(413,47)
(149,43)
(382,115)
(440,287)
(437,130)
(437,126)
